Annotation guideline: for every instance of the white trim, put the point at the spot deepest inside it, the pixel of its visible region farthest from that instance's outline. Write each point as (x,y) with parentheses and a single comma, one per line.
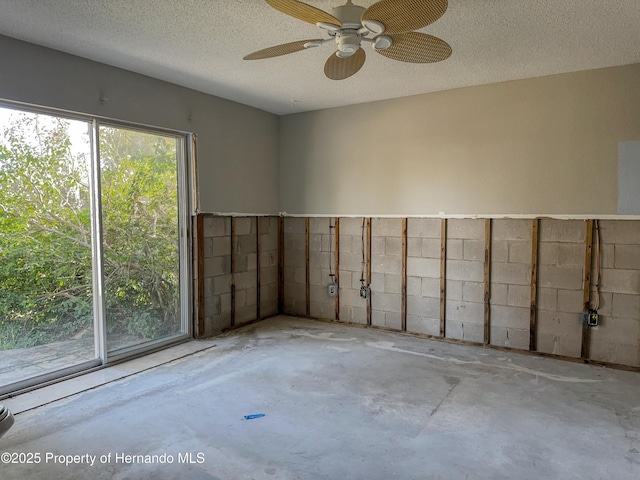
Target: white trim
(97,259)
(443,215)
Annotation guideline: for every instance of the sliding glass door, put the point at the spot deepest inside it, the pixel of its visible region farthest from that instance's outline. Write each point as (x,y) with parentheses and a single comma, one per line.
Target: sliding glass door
(93,244)
(140,232)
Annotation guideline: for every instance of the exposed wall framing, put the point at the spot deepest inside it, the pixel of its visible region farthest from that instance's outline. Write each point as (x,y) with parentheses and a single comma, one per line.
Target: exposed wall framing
(258,267)
(403,311)
(306,269)
(233,271)
(544,270)
(198,285)
(533,319)
(487,281)
(235,265)
(586,288)
(443,278)
(281,255)
(368,266)
(336,270)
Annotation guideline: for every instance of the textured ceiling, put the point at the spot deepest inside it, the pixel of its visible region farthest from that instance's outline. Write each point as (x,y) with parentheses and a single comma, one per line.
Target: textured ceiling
(200,44)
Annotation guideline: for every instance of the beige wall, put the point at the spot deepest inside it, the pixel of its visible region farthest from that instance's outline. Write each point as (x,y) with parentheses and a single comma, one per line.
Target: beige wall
(238,145)
(539,146)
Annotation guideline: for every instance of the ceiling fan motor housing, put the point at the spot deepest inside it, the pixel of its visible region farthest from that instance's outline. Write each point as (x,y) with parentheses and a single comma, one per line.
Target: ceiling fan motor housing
(348,42)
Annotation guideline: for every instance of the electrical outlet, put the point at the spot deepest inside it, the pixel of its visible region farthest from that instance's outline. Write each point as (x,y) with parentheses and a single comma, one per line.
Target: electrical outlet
(592,318)
(332,290)
(364,292)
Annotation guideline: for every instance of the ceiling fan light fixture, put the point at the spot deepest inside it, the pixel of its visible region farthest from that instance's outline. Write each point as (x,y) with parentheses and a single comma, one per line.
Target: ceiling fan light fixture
(373,26)
(348,43)
(345,54)
(382,42)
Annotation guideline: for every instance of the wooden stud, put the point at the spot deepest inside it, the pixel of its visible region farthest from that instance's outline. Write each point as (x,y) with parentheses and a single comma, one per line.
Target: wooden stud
(280,265)
(586,289)
(533,310)
(198,228)
(306,267)
(233,271)
(258,241)
(368,268)
(487,281)
(403,310)
(443,276)
(336,231)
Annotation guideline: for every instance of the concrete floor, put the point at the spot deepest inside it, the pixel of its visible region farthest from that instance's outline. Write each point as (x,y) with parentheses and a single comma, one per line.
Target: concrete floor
(342,402)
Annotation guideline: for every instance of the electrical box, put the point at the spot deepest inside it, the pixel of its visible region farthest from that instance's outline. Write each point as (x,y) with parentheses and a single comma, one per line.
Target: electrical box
(364,292)
(592,318)
(332,290)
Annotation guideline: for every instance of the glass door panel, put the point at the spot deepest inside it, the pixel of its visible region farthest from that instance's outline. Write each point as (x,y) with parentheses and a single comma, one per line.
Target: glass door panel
(141,236)
(46,306)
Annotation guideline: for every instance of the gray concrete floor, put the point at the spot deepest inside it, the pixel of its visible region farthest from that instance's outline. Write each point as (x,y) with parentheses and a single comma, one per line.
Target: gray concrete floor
(341,403)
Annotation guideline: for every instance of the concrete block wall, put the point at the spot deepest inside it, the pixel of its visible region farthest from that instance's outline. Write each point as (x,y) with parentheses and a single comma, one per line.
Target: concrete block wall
(423,275)
(386,272)
(222,272)
(268,266)
(295,273)
(352,308)
(245,275)
(510,279)
(465,279)
(321,264)
(217,273)
(561,258)
(560,254)
(617,338)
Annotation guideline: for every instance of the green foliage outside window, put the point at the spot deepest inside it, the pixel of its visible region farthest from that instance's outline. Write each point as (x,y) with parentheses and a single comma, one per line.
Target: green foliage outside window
(45,233)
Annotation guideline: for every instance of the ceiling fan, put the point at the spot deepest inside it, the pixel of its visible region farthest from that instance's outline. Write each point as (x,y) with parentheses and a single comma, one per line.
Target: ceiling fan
(387,25)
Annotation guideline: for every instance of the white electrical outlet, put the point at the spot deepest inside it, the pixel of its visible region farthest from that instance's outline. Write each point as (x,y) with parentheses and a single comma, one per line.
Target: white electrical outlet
(332,290)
